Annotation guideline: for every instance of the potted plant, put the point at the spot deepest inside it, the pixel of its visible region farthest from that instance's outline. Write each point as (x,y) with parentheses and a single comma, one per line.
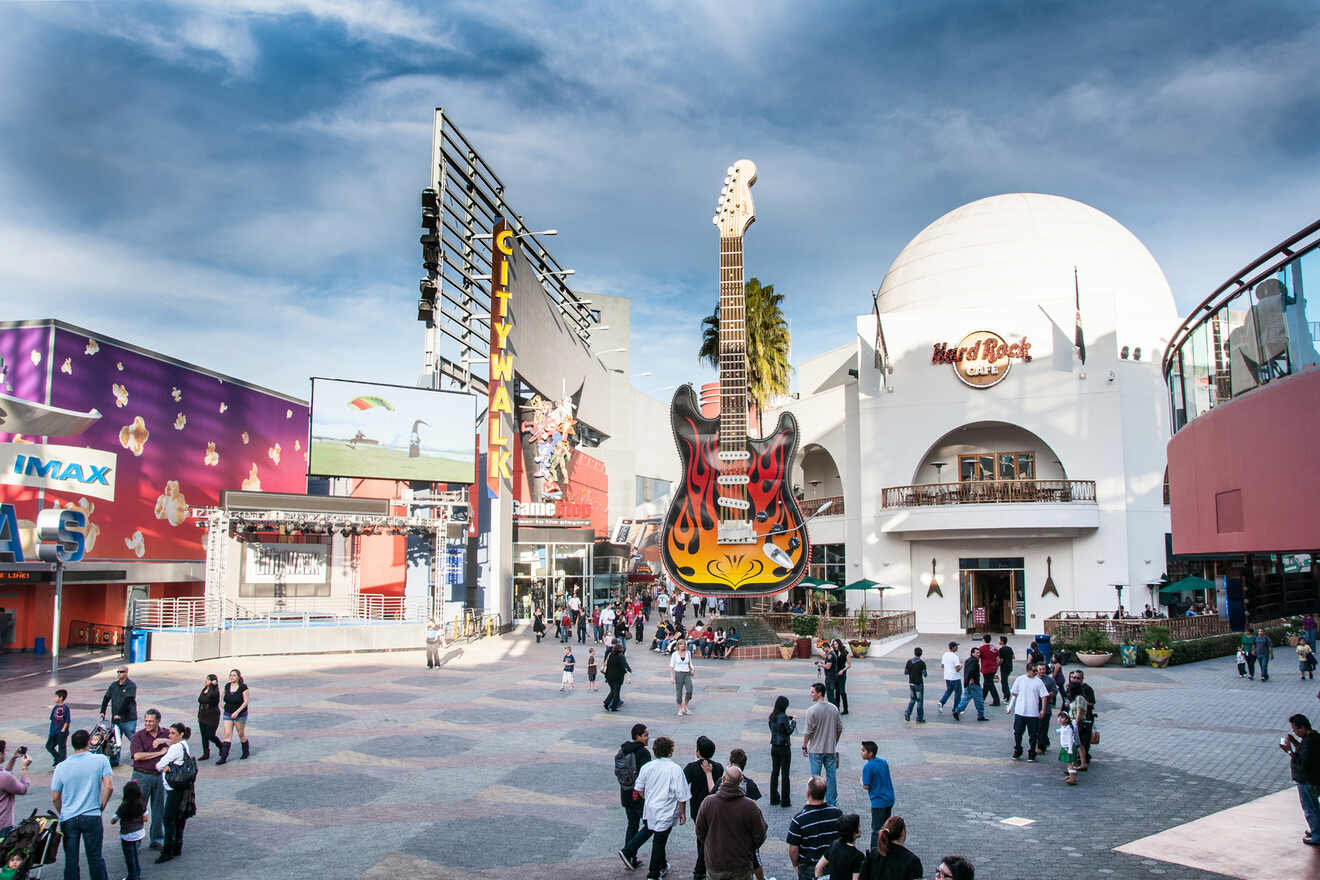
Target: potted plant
(1159,645)
(1127,652)
(804,627)
(859,646)
(862,622)
(1094,648)
(787,647)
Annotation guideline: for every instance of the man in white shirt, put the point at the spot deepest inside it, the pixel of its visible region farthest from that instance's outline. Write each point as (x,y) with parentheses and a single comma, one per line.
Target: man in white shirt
(680,673)
(662,602)
(952,675)
(607,619)
(1028,705)
(662,783)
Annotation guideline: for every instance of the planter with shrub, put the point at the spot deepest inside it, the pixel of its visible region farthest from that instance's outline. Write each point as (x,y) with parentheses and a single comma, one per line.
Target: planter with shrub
(1093,647)
(804,627)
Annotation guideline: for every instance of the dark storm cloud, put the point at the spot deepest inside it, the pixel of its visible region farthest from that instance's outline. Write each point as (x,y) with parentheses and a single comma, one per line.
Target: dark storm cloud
(218,171)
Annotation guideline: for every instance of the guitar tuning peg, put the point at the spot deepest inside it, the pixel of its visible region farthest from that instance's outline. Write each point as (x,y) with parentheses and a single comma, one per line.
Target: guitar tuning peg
(730,171)
(715,219)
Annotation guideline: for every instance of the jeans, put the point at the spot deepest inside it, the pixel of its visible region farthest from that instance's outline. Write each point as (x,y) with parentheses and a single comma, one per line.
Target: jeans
(1309,635)
(831,764)
(58,746)
(634,811)
(917,697)
(1251,665)
(86,827)
(952,686)
(781,757)
(971,695)
(841,693)
(807,871)
(565,633)
(174,822)
(1310,807)
(1005,667)
(126,731)
(879,816)
(153,792)
(1264,661)
(832,690)
(1031,725)
(612,700)
(990,692)
(658,857)
(131,864)
(582,629)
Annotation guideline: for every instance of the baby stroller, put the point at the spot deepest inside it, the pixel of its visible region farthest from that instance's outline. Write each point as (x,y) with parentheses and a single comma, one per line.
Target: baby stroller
(35,840)
(104,740)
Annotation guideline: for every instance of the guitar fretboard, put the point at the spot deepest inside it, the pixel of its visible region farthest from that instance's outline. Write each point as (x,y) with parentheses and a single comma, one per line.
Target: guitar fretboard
(733,365)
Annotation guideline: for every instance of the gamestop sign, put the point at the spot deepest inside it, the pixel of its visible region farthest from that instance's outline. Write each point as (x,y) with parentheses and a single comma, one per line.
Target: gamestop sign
(73,469)
(556,510)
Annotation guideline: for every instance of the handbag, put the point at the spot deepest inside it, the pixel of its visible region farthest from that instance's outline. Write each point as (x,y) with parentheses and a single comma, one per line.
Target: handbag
(182,773)
(1095,737)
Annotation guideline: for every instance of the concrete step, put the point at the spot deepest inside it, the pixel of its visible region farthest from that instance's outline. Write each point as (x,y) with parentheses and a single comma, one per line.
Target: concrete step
(751,630)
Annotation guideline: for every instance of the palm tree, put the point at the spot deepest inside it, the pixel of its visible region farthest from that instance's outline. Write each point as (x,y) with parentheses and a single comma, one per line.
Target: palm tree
(768,343)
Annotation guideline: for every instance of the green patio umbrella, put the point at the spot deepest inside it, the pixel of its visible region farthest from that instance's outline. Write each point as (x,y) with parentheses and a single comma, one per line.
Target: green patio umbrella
(868,584)
(1187,585)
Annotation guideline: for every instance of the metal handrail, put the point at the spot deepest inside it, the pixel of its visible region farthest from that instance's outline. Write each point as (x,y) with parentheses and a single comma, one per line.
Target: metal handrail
(1236,285)
(990,492)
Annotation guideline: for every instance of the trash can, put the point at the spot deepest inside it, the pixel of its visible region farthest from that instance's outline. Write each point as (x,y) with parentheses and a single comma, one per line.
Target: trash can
(1043,646)
(139,645)
(39,646)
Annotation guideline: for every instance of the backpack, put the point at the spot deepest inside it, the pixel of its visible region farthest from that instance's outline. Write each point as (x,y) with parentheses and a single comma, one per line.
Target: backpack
(625,768)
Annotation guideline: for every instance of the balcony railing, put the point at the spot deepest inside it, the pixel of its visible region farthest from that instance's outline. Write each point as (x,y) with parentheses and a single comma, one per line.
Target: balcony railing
(1255,328)
(1068,625)
(879,624)
(991,492)
(811,505)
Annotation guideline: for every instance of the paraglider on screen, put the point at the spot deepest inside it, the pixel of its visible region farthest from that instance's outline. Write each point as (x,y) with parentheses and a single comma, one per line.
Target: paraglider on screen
(392,432)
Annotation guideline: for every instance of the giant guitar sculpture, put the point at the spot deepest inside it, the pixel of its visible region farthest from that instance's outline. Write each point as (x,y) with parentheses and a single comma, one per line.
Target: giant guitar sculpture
(733,526)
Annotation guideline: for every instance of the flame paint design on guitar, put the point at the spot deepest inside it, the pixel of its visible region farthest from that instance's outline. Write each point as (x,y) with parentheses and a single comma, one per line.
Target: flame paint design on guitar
(691,554)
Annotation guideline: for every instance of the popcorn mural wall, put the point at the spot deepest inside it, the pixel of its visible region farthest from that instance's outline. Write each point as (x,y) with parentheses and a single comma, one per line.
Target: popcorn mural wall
(179,436)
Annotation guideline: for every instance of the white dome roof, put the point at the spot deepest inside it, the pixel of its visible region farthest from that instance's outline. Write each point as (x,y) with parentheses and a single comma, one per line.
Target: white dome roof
(1018,251)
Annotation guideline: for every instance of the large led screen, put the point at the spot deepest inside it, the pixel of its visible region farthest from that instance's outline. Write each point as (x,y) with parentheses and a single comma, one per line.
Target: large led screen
(392,432)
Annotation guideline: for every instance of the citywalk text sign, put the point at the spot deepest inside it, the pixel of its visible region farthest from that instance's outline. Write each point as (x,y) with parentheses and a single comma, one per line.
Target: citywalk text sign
(499,413)
(982,359)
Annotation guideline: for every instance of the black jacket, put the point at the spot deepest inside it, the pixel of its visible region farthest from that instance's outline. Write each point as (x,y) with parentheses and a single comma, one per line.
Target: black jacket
(781,730)
(208,706)
(899,864)
(616,666)
(1306,760)
(643,755)
(122,700)
(972,672)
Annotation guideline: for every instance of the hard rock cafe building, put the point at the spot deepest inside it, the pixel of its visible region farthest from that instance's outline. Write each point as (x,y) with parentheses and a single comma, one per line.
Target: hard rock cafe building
(974,462)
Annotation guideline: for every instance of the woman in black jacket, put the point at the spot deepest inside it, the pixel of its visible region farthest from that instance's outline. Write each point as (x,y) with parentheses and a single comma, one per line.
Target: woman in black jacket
(616,667)
(890,860)
(782,726)
(208,714)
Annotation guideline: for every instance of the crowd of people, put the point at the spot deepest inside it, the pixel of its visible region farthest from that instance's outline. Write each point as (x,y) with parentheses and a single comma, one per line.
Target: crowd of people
(658,796)
(158,798)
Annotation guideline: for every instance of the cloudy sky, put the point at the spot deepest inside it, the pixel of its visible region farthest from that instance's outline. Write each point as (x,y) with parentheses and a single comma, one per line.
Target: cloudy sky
(235,182)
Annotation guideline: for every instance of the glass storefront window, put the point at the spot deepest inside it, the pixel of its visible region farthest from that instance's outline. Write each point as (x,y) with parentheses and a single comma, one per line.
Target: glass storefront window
(544,575)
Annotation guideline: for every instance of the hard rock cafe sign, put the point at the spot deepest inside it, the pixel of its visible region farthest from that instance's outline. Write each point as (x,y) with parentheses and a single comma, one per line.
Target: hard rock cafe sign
(982,358)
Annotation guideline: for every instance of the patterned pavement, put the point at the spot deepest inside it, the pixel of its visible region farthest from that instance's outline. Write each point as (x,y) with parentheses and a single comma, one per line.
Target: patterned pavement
(369,765)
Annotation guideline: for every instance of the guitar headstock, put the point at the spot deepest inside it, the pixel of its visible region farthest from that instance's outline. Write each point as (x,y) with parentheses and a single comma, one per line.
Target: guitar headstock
(735,212)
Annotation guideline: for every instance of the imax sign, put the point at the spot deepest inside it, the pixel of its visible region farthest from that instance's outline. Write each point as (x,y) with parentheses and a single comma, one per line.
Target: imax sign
(74,469)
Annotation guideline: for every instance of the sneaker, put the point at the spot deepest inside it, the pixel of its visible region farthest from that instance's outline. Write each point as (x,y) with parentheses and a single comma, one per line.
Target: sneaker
(680,712)
(664,872)
(921,720)
(955,714)
(941,708)
(1032,757)
(628,864)
(907,717)
(982,718)
(1017,754)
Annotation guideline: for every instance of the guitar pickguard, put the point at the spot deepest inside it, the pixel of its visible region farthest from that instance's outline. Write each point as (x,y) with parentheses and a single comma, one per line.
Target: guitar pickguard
(691,551)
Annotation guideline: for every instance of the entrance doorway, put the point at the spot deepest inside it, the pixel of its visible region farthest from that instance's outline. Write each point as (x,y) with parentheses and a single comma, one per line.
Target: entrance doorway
(993,594)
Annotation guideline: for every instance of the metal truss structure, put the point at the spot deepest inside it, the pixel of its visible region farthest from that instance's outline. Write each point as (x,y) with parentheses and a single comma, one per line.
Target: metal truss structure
(467,198)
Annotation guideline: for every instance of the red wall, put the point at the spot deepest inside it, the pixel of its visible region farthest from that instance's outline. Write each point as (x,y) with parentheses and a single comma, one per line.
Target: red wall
(1260,451)
(383,567)
(93,603)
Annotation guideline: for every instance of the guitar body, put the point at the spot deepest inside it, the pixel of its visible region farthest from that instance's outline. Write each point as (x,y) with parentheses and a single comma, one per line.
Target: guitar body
(692,555)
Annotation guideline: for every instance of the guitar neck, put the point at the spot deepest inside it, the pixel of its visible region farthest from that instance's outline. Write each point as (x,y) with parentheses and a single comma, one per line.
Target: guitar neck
(733,346)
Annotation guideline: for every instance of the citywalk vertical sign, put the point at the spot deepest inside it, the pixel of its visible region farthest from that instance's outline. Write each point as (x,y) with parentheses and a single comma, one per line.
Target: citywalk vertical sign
(499,412)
